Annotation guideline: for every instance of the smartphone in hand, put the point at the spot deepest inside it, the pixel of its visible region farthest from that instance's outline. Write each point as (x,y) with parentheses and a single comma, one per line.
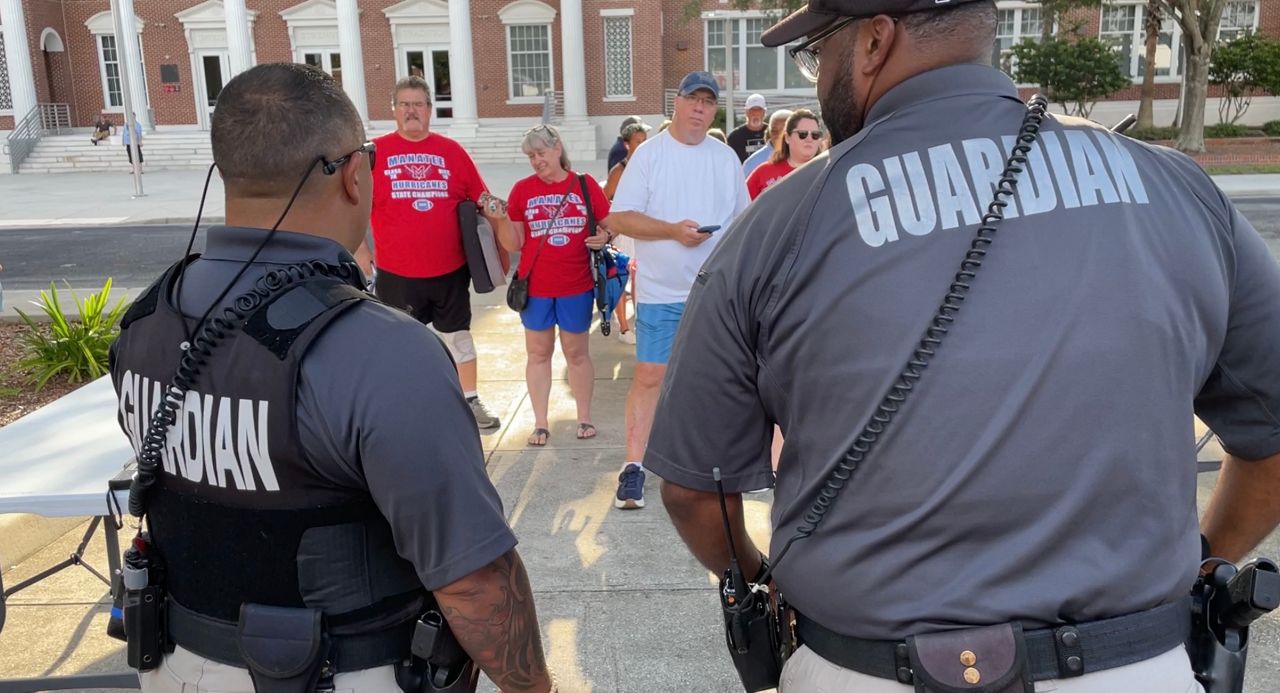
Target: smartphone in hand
(708,229)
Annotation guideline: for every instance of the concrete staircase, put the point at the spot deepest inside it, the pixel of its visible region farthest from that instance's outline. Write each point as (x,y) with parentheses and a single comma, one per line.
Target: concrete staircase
(501,143)
(160,151)
(190,150)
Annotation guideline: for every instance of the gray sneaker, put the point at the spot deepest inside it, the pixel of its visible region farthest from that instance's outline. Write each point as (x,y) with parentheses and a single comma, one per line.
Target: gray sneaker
(483,418)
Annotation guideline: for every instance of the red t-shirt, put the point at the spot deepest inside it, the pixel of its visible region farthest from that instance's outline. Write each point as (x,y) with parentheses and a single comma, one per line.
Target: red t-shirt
(416,190)
(765,175)
(563,266)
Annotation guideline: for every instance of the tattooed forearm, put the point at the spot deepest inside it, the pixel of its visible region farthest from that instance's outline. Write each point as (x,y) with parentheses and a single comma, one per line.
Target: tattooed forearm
(492,614)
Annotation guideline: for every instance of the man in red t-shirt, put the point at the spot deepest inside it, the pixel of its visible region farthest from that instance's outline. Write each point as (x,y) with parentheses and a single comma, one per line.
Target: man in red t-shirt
(418,181)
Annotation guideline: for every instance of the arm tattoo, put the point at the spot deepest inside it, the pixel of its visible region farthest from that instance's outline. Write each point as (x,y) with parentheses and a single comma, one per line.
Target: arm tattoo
(495,621)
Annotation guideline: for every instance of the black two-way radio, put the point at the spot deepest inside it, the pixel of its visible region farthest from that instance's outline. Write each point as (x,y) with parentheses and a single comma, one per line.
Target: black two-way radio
(750,622)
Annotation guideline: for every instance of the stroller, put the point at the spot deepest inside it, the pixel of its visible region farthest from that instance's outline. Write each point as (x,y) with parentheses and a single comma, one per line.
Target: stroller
(609,270)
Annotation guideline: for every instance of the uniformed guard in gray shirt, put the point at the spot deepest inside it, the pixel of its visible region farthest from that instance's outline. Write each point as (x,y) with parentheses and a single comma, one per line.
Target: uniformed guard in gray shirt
(1041,473)
(323,472)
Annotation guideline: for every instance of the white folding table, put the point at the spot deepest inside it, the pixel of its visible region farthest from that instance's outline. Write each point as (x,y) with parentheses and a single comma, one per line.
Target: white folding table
(60,461)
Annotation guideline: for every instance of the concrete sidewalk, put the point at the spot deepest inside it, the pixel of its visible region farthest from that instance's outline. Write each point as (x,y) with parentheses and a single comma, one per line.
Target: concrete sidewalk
(623,606)
(170,197)
(93,199)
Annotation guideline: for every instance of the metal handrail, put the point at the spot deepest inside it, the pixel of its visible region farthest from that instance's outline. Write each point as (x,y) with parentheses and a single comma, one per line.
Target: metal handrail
(33,126)
(552,107)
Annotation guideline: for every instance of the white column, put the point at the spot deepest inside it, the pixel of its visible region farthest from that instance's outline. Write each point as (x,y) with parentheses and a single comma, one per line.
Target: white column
(22,78)
(239,39)
(131,61)
(574,59)
(352,56)
(462,69)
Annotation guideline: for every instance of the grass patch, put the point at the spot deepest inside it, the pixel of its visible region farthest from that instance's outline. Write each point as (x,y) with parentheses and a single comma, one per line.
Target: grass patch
(1228,169)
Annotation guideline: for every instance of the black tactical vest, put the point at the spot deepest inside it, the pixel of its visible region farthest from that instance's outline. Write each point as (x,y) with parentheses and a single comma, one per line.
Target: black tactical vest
(239,513)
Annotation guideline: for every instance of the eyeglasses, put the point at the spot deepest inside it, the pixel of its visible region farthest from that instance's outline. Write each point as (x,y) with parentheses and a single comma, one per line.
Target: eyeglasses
(807,134)
(806,54)
(369,149)
(705,102)
(412,105)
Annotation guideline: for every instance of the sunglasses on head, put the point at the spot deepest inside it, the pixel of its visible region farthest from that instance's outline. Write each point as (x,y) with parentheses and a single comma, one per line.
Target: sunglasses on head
(806,134)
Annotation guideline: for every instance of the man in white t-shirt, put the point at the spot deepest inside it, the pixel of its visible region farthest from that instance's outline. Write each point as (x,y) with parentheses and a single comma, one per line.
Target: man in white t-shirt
(680,195)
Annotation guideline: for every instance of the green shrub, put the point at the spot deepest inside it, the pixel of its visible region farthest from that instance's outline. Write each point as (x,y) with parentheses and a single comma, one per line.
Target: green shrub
(1074,71)
(1271,128)
(1153,134)
(76,349)
(1230,130)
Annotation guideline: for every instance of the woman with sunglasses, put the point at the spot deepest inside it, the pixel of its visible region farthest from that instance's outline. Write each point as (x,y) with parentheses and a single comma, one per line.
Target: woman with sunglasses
(802,142)
(549,226)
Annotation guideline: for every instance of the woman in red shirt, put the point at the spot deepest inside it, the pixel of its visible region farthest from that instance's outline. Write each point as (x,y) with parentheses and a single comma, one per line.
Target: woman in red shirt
(802,142)
(549,224)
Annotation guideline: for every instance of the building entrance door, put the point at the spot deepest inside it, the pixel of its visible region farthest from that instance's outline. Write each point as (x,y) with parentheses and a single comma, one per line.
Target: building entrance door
(432,64)
(211,76)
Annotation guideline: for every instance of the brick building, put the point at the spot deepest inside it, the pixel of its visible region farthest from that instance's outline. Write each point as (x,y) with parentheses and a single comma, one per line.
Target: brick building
(494,64)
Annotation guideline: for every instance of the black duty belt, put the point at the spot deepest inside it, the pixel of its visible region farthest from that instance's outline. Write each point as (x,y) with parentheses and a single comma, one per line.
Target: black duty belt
(1052,653)
(217,639)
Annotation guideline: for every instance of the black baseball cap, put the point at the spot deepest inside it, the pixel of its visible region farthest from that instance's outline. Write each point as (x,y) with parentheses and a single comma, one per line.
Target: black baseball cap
(818,14)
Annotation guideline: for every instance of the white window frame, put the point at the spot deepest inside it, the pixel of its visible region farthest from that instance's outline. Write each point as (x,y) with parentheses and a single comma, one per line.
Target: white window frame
(326,56)
(618,14)
(739,70)
(1252,28)
(512,99)
(527,13)
(1017,8)
(1138,42)
(100,25)
(102,72)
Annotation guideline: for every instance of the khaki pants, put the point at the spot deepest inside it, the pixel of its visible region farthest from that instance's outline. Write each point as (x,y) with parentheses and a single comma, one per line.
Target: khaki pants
(186,672)
(806,672)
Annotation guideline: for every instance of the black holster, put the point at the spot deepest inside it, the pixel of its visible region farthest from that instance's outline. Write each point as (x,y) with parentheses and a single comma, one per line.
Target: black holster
(285,649)
(1224,603)
(439,664)
(759,632)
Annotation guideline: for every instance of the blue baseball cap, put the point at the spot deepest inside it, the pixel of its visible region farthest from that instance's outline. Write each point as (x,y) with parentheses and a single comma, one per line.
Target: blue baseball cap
(699,80)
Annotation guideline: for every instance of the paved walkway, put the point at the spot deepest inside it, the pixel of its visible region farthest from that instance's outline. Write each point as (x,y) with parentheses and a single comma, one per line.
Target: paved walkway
(82,199)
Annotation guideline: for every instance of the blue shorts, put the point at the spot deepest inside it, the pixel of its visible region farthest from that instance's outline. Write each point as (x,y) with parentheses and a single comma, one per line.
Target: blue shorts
(656,325)
(571,313)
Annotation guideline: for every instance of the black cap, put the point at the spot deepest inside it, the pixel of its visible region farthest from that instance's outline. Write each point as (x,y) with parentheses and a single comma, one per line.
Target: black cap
(819,14)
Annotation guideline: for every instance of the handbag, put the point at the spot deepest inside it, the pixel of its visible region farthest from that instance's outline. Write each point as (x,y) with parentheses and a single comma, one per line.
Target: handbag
(518,289)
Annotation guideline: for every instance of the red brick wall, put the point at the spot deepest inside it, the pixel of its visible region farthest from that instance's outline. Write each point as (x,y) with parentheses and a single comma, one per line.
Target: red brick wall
(647,54)
(665,47)
(489,45)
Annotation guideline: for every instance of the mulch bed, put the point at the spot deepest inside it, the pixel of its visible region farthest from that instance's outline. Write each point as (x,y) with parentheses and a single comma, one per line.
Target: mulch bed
(1240,150)
(18,396)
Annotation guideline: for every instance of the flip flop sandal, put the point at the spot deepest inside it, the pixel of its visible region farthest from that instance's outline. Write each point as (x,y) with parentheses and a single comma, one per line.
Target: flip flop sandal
(544,433)
(583,428)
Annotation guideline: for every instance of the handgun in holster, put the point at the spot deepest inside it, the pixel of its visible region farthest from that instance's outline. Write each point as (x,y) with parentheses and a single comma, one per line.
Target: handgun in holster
(1225,602)
(439,664)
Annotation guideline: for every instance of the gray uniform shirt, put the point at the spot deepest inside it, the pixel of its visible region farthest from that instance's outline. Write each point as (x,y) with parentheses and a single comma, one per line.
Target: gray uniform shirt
(1043,469)
(379,408)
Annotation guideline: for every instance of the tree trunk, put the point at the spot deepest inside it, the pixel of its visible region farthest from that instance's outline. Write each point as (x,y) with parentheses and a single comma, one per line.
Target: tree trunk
(1191,135)
(1155,18)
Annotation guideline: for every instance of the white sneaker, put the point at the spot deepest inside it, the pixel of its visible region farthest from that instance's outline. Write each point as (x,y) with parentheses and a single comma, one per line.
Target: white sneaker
(628,337)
